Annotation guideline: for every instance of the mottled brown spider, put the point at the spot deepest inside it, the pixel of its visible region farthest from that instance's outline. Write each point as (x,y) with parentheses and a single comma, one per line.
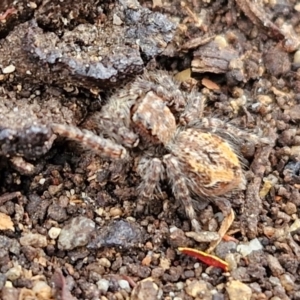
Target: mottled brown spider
(161,127)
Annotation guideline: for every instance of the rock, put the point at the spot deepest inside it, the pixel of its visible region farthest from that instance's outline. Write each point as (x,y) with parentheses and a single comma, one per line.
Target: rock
(124,285)
(33,239)
(119,233)
(275,265)
(57,213)
(76,233)
(54,232)
(6,222)
(103,285)
(9,69)
(238,290)
(145,289)
(10,293)
(55,189)
(104,262)
(198,288)
(5,242)
(157,272)
(177,237)
(277,61)
(203,236)
(139,271)
(294,113)
(225,248)
(14,273)
(42,290)
(37,208)
(2,281)
(288,282)
(290,208)
(247,248)
(110,55)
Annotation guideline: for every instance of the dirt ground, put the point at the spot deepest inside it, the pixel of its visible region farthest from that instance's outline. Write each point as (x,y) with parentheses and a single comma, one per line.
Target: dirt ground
(73,224)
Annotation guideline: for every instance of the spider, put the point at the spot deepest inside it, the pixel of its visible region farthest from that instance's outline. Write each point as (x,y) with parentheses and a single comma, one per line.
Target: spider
(161,127)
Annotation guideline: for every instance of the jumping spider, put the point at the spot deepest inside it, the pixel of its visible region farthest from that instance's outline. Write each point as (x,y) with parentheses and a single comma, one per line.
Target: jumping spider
(161,127)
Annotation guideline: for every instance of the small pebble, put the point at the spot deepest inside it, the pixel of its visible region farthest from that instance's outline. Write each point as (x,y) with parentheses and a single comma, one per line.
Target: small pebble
(196,288)
(247,248)
(179,285)
(297,54)
(295,150)
(203,236)
(32,5)
(287,282)
(177,237)
(189,274)
(104,262)
(116,20)
(238,290)
(42,289)
(290,208)
(54,189)
(221,41)
(119,233)
(124,285)
(54,232)
(76,233)
(256,288)
(42,181)
(33,239)
(274,265)
(10,293)
(157,272)
(14,273)
(115,212)
(9,69)
(103,285)
(165,263)
(274,280)
(295,226)
(145,289)
(225,248)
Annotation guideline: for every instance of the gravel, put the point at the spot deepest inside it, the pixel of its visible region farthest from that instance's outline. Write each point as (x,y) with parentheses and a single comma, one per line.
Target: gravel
(72,224)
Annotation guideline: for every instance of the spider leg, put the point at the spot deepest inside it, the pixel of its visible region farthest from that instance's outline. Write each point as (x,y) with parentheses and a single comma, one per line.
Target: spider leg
(180,188)
(234,133)
(194,108)
(104,147)
(117,132)
(151,171)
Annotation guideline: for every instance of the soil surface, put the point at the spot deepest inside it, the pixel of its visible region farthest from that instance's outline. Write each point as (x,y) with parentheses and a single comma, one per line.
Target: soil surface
(73,224)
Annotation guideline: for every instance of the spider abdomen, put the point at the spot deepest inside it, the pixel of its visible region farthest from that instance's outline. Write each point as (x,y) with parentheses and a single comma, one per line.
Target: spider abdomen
(209,163)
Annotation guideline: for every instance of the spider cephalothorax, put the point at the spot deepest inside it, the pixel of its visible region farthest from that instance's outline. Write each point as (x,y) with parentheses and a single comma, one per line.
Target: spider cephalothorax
(153,121)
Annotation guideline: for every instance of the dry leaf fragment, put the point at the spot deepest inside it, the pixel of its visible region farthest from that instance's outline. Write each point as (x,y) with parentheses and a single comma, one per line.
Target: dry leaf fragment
(227,222)
(208,259)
